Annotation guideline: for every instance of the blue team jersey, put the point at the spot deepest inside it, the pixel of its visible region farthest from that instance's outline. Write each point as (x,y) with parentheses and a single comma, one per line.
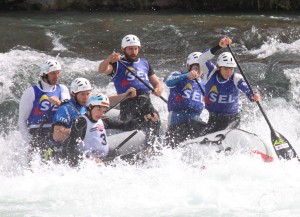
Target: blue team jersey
(222,96)
(124,79)
(68,112)
(41,106)
(186,95)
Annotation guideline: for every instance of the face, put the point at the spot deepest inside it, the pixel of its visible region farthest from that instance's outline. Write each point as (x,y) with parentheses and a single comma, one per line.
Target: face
(97,112)
(196,68)
(53,77)
(83,97)
(226,72)
(131,53)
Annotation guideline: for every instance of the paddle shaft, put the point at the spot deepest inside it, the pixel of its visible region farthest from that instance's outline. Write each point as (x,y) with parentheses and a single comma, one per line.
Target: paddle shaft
(201,88)
(251,90)
(141,80)
(281,145)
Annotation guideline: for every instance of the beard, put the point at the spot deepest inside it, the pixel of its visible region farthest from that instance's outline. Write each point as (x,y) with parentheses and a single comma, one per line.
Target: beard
(129,58)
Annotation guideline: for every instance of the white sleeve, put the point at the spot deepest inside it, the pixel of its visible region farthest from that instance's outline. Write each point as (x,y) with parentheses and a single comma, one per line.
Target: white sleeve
(25,107)
(65,94)
(206,66)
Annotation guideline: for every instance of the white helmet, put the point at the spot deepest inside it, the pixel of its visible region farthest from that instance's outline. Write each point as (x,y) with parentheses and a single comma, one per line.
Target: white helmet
(50,66)
(193,58)
(99,99)
(130,40)
(226,59)
(80,84)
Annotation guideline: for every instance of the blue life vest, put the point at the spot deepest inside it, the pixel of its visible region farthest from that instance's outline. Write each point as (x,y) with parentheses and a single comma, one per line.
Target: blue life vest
(41,106)
(186,96)
(68,112)
(124,79)
(222,97)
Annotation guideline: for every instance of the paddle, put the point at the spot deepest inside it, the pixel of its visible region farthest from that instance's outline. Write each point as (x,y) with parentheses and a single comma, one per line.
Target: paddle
(201,88)
(123,99)
(282,147)
(114,153)
(141,80)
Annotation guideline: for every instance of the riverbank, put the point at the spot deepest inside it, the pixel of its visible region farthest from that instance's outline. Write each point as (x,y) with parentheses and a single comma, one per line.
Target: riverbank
(120,5)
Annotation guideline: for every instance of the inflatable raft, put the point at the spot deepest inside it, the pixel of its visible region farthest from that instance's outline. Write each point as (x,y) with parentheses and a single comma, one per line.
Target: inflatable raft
(232,141)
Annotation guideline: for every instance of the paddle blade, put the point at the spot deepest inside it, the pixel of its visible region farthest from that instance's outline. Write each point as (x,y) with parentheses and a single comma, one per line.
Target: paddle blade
(282,147)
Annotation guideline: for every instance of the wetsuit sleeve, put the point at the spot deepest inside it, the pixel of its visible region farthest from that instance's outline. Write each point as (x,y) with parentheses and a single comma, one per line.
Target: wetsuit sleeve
(121,125)
(215,49)
(242,85)
(65,94)
(114,71)
(174,78)
(25,107)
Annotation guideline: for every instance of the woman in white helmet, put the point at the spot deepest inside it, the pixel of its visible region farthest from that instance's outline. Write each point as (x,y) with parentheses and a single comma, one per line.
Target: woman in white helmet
(38,105)
(186,100)
(123,80)
(222,87)
(88,137)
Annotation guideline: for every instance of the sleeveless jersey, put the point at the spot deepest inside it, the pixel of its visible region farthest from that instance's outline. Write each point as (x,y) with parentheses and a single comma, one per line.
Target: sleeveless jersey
(41,106)
(186,96)
(222,97)
(94,143)
(124,79)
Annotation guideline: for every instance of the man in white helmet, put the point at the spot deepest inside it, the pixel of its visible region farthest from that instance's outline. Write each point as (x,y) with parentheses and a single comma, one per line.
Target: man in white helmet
(123,79)
(38,105)
(66,114)
(222,87)
(185,102)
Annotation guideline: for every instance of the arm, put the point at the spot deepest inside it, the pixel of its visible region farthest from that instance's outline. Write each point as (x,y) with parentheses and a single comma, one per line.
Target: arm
(60,133)
(241,85)
(61,124)
(117,98)
(158,89)
(65,94)
(25,107)
(207,66)
(174,78)
(105,66)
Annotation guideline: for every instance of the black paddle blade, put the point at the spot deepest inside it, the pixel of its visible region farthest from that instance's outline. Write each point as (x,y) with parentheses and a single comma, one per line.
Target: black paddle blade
(282,146)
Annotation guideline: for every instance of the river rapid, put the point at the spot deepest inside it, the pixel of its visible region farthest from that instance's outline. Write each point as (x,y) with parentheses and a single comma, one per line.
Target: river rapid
(168,185)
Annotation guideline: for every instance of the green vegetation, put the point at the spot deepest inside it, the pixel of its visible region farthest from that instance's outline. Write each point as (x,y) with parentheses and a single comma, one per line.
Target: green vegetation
(123,5)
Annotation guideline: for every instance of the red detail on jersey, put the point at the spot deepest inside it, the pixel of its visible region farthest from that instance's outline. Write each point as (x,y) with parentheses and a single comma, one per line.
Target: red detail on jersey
(99,127)
(37,111)
(178,98)
(124,83)
(206,100)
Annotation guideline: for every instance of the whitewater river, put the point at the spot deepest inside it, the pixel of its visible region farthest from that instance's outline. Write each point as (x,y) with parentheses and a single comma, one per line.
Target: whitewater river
(167,185)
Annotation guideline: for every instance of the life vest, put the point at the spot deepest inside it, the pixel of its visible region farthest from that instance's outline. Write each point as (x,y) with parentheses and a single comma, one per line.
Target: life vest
(94,143)
(186,96)
(124,79)
(41,106)
(222,97)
